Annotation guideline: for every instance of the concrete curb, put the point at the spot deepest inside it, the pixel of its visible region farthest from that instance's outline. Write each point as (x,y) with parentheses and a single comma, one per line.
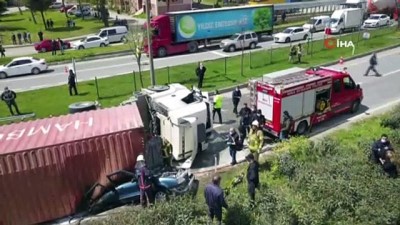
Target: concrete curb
(99,56)
(267,150)
(28,45)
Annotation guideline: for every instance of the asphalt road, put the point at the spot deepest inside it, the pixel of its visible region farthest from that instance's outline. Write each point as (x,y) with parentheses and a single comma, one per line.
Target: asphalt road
(87,70)
(378,91)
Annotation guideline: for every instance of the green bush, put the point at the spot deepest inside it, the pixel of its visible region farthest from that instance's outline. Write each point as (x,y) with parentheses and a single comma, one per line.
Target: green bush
(392,120)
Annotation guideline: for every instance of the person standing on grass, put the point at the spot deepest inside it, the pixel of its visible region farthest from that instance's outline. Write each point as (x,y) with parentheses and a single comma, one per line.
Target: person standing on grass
(28,36)
(200,72)
(19,36)
(72,82)
(299,52)
(236,95)
(14,39)
(253,180)
(215,199)
(292,53)
(9,96)
(61,45)
(40,35)
(2,51)
(51,23)
(373,61)
(54,45)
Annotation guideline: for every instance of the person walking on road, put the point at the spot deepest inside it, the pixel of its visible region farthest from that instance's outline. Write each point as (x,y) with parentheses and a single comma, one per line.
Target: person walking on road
(9,96)
(72,82)
(373,61)
(234,143)
(215,200)
(2,51)
(218,100)
(255,139)
(236,95)
(200,72)
(253,180)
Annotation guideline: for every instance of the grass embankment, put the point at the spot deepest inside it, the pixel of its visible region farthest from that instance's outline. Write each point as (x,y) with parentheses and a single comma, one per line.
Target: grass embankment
(54,101)
(329,182)
(16,23)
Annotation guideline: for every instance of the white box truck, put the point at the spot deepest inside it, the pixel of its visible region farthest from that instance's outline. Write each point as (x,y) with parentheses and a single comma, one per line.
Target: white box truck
(346,20)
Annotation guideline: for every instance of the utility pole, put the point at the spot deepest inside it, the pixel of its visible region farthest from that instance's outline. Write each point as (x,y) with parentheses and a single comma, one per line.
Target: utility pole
(149,44)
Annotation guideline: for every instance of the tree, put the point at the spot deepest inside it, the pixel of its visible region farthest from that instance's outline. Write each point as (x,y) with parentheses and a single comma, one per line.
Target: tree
(41,6)
(104,12)
(3,6)
(65,11)
(136,40)
(262,19)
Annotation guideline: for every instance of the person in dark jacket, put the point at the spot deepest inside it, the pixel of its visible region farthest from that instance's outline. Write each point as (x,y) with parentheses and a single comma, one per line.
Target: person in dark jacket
(61,45)
(72,82)
(54,45)
(236,95)
(40,35)
(234,143)
(144,178)
(253,181)
(9,96)
(19,36)
(286,126)
(14,39)
(2,51)
(259,117)
(215,199)
(380,147)
(245,120)
(372,63)
(200,72)
(388,165)
(283,16)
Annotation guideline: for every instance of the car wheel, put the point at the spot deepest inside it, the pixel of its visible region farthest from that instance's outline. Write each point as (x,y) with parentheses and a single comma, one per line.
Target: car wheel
(35,71)
(387,23)
(313,30)
(305,37)
(124,40)
(161,196)
(3,75)
(232,48)
(43,50)
(252,45)
(341,31)
(81,47)
(102,45)
(287,40)
(161,52)
(355,106)
(302,128)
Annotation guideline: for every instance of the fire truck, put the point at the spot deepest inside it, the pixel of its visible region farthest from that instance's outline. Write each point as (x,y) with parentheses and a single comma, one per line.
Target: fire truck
(310,97)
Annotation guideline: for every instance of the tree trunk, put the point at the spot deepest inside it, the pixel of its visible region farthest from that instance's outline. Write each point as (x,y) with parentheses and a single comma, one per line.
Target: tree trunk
(33,17)
(19,7)
(44,19)
(104,15)
(80,8)
(65,11)
(138,59)
(98,8)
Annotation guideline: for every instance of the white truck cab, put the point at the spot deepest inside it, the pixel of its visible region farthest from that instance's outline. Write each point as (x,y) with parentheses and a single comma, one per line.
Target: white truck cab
(346,19)
(184,119)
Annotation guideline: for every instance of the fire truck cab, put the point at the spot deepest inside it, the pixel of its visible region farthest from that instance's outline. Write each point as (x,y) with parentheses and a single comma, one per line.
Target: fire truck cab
(309,96)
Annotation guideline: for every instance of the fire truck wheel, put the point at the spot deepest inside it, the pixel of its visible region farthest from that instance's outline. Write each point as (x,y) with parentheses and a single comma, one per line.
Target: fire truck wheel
(302,128)
(355,106)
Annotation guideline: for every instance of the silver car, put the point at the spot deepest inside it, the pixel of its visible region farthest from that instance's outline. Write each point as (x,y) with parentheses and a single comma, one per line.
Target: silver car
(240,40)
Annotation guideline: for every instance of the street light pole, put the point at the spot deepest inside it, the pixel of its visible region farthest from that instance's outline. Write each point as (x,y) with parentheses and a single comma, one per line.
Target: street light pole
(149,44)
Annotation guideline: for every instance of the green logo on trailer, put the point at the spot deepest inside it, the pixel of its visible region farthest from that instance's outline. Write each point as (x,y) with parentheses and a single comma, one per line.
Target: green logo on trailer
(187,26)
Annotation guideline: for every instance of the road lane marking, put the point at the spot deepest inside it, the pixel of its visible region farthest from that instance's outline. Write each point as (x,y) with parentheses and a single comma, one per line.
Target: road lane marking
(220,53)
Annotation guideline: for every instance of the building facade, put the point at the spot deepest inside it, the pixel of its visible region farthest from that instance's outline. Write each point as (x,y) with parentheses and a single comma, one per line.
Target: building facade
(158,7)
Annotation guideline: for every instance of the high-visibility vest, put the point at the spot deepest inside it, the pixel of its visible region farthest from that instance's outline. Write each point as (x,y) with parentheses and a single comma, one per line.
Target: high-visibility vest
(218,101)
(255,140)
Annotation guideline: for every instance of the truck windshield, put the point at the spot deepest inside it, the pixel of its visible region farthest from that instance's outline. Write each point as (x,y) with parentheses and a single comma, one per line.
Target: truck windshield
(234,37)
(333,21)
(287,31)
(312,21)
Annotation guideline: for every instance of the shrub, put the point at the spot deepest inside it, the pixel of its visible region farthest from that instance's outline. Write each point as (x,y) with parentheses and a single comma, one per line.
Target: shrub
(392,120)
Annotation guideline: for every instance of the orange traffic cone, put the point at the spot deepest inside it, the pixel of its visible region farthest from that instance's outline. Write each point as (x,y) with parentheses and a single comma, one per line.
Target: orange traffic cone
(341,60)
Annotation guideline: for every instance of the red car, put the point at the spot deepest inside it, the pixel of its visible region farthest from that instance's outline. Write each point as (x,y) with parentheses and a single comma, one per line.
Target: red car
(45,46)
(65,8)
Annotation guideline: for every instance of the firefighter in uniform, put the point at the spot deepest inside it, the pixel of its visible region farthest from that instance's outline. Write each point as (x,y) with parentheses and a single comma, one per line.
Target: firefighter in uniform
(255,139)
(167,153)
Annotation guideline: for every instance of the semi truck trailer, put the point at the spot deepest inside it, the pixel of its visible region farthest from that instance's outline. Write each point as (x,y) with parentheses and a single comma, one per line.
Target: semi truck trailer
(185,31)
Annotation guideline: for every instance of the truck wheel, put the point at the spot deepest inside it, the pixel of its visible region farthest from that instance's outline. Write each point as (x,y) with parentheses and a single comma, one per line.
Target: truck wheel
(81,107)
(252,45)
(161,52)
(232,48)
(287,40)
(341,31)
(302,128)
(193,47)
(355,106)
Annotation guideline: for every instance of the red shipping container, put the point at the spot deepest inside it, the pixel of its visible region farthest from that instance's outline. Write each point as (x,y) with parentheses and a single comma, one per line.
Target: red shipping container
(47,165)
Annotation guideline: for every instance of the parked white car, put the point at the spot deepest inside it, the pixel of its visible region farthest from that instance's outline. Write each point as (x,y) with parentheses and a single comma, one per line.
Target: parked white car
(292,34)
(56,5)
(91,42)
(377,20)
(23,65)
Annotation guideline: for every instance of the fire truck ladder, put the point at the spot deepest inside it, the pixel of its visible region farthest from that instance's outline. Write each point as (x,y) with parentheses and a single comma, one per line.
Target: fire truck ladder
(287,78)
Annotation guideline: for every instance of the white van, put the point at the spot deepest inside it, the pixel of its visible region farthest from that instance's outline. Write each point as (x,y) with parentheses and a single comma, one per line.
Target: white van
(114,34)
(318,23)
